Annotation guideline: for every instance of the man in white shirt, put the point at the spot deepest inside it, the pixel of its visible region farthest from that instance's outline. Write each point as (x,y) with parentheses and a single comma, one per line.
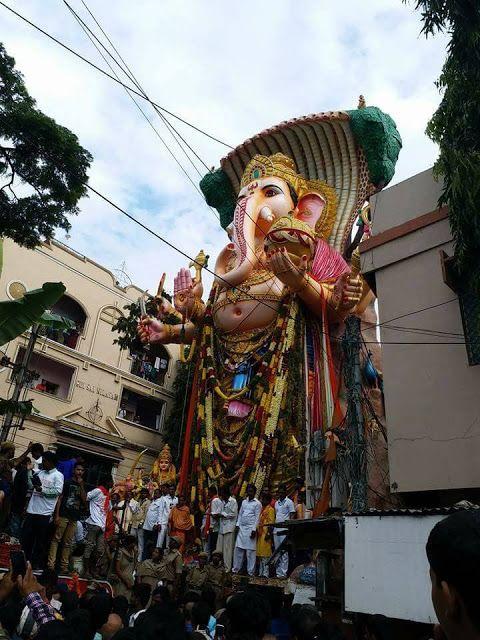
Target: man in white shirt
(211,523)
(169,500)
(47,487)
(284,510)
(247,523)
(37,453)
(99,505)
(152,524)
(226,530)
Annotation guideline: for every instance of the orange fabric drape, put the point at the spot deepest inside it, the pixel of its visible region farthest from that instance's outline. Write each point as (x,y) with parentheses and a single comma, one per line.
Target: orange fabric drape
(180,518)
(323,502)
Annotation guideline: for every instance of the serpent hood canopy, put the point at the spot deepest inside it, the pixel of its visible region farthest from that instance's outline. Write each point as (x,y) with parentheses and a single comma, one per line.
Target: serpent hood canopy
(354,152)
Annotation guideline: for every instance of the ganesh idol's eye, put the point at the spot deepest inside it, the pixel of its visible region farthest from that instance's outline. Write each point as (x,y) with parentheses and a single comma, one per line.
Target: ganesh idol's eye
(271,190)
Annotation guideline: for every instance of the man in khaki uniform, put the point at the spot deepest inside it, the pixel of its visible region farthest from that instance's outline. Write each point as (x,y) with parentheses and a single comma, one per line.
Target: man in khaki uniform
(217,575)
(151,571)
(197,576)
(172,562)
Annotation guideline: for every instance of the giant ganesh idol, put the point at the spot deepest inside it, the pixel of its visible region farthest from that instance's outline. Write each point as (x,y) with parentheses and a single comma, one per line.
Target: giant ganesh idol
(264,345)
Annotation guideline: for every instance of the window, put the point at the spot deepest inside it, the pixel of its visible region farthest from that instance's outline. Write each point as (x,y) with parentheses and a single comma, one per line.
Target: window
(142,410)
(67,308)
(151,365)
(51,377)
(97,469)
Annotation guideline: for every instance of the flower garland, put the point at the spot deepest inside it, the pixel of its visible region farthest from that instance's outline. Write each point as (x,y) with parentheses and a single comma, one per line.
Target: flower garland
(253,443)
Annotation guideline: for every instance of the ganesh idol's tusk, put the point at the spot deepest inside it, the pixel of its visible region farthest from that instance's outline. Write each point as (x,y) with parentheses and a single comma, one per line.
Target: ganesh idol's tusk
(266,214)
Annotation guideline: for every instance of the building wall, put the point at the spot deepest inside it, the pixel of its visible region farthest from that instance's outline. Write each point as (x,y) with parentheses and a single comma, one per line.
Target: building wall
(90,409)
(385,557)
(432,398)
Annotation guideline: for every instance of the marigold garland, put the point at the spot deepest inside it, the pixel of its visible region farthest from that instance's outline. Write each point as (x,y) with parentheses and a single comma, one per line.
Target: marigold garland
(251,459)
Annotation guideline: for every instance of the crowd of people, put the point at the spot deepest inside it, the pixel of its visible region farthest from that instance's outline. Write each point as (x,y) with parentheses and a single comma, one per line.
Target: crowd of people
(153,571)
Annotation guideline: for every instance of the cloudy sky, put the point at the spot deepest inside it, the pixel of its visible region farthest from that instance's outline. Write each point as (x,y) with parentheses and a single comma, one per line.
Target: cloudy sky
(232,69)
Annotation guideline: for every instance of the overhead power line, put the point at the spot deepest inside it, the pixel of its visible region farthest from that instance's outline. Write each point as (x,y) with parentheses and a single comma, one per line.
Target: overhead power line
(127,70)
(87,31)
(245,292)
(157,107)
(108,75)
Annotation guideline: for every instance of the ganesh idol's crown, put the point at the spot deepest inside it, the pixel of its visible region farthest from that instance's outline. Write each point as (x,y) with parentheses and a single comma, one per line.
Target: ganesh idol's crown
(281,166)
(277,165)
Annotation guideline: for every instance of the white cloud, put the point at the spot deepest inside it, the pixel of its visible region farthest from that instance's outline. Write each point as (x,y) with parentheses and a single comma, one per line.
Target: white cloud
(232,69)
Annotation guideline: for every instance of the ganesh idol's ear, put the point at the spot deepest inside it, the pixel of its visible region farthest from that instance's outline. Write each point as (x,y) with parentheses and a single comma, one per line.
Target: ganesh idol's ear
(309,208)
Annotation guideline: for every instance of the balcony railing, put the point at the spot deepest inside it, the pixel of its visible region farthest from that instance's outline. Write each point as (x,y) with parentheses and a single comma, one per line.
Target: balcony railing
(148,371)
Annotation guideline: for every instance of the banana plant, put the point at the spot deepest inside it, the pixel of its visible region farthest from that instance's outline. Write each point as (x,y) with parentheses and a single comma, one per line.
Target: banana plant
(16,316)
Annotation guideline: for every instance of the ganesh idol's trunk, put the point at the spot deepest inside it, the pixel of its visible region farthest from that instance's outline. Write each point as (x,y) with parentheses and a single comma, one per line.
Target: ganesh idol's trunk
(244,246)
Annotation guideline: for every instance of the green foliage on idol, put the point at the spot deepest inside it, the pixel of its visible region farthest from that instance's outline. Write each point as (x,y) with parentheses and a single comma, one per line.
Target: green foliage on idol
(43,168)
(455,126)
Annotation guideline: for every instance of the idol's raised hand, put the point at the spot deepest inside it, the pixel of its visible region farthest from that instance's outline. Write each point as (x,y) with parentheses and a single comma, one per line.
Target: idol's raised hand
(187,293)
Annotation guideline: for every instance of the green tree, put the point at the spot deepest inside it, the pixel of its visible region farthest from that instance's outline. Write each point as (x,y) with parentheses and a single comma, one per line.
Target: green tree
(174,432)
(126,327)
(41,157)
(455,126)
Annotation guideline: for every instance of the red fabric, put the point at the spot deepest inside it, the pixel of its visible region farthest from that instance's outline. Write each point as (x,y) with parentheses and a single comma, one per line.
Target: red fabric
(334,374)
(182,484)
(207,517)
(106,493)
(328,264)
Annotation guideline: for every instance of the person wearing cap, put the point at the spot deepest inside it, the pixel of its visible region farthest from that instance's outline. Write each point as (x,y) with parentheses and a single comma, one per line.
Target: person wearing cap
(151,571)
(172,563)
(217,575)
(197,576)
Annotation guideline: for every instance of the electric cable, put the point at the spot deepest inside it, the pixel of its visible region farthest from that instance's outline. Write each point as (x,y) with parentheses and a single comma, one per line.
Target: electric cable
(105,73)
(79,20)
(131,89)
(131,75)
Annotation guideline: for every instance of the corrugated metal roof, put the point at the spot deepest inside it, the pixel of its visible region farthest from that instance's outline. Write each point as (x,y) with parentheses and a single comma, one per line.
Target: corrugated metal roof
(425,511)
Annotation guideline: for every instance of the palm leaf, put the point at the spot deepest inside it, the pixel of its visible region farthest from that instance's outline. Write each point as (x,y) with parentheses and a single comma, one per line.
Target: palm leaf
(16,316)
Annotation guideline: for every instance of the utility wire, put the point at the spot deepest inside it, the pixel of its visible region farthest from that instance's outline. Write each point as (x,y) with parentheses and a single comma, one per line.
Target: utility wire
(105,73)
(127,71)
(86,30)
(156,105)
(131,75)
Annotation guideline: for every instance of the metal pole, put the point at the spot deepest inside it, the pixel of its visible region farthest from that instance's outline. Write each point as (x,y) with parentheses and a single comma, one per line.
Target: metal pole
(19,381)
(355,424)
